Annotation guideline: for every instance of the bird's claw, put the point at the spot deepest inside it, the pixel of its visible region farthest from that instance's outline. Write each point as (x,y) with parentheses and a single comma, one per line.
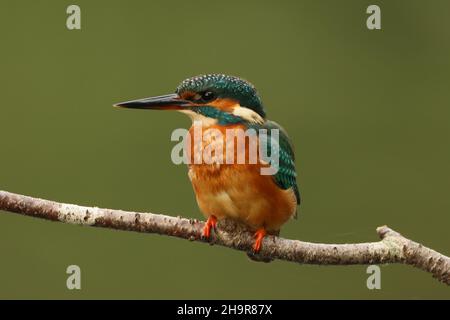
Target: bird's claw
(259,236)
(211,223)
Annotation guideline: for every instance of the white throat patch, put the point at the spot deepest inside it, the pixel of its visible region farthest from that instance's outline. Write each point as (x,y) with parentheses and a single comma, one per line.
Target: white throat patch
(247,114)
(195,117)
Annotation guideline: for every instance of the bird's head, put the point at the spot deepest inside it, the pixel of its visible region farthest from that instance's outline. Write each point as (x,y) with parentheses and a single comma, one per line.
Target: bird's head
(213,98)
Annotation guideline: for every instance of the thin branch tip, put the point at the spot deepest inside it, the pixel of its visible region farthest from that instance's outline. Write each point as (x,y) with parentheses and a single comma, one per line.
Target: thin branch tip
(385,231)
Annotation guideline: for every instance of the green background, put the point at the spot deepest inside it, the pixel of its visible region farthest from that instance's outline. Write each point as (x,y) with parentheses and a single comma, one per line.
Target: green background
(368,112)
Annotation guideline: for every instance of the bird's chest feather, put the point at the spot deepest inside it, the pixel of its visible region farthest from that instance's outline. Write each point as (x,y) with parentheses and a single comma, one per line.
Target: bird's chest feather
(236,190)
(214,163)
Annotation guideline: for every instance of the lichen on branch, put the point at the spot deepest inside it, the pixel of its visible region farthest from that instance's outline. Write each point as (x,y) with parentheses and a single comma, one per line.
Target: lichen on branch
(392,248)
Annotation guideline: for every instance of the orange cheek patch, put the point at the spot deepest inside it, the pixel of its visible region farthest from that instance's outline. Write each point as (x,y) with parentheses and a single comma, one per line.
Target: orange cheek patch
(187,95)
(225,104)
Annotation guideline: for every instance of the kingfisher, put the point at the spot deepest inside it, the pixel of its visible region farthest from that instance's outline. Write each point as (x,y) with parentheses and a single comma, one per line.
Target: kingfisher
(239,191)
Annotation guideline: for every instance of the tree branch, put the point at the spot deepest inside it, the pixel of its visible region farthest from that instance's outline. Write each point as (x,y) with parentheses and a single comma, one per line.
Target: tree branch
(392,248)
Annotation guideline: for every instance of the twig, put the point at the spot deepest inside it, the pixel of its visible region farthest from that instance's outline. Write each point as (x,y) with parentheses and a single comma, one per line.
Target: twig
(392,248)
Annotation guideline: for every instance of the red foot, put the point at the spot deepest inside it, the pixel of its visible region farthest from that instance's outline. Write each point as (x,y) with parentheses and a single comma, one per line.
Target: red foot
(259,236)
(210,223)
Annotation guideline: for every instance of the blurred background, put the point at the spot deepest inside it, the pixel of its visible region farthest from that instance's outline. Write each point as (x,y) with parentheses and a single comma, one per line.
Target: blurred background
(368,112)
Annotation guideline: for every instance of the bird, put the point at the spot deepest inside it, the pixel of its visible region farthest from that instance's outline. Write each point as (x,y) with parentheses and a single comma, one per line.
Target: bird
(237,191)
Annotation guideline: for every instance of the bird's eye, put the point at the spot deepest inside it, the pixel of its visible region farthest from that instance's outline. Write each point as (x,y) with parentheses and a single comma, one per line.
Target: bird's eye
(208,96)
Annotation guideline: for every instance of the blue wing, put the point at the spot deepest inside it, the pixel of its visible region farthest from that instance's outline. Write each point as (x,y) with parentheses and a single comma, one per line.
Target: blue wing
(286,176)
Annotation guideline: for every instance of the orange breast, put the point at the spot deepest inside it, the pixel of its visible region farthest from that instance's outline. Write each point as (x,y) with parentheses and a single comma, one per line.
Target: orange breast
(237,191)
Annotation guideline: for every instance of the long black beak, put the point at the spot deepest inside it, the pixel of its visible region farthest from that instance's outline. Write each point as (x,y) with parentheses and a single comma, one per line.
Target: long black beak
(166,102)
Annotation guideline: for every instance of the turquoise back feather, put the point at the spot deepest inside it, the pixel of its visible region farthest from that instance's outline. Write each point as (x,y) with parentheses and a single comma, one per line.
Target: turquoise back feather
(286,176)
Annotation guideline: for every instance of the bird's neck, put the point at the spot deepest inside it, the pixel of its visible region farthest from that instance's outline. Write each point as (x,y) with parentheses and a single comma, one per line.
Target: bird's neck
(213,115)
(208,116)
